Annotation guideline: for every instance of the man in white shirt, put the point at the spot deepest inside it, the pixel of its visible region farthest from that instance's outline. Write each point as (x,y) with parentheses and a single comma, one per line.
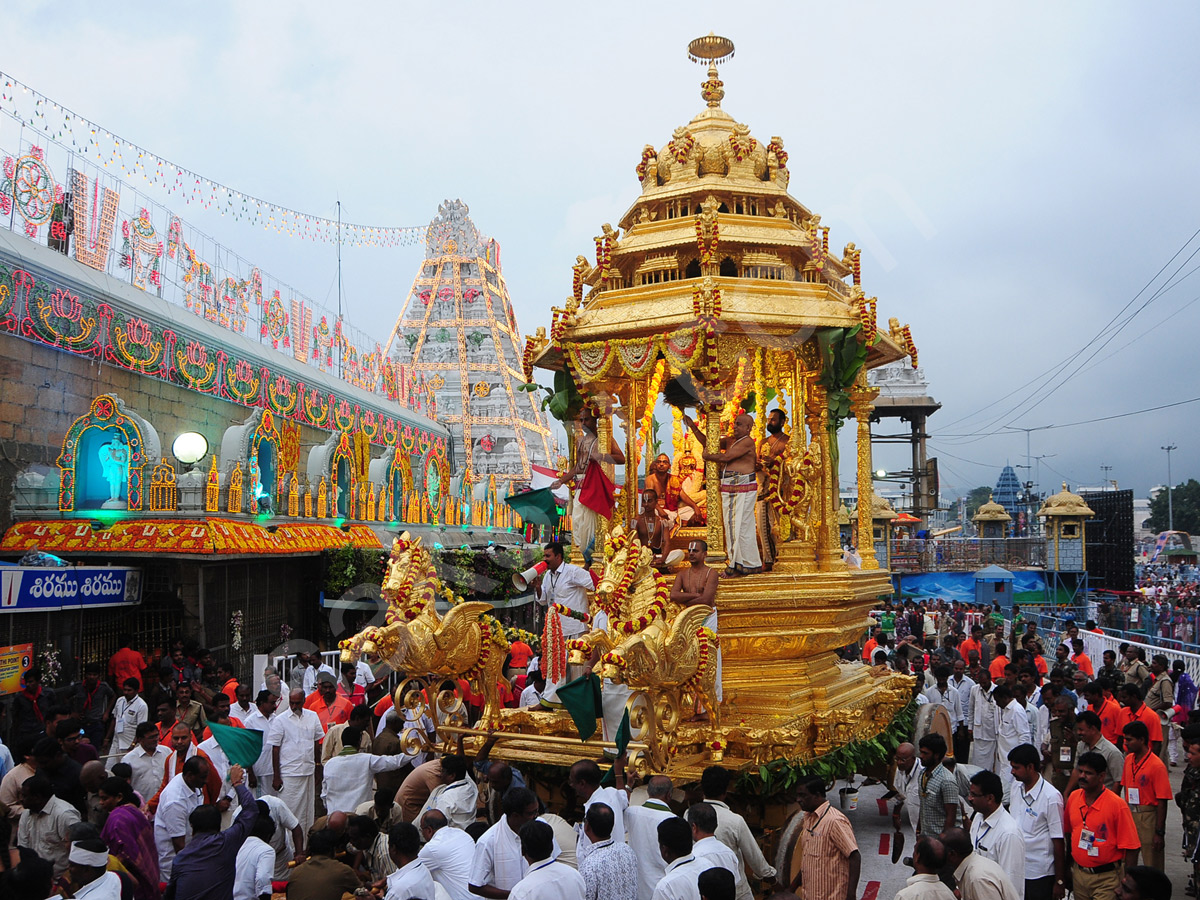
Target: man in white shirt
(641,830)
(411,880)
(288,838)
(259,718)
(994,834)
(536,686)
(147,759)
(498,863)
(945,695)
(962,683)
(447,853)
(295,741)
(335,737)
(171,827)
(45,822)
(1012,728)
(347,782)
(683,868)
(703,819)
(907,783)
(243,705)
(584,778)
(457,796)
(546,879)
(88,873)
(732,830)
(929,856)
(984,722)
(1038,808)
(128,713)
(254,867)
(978,877)
(566,585)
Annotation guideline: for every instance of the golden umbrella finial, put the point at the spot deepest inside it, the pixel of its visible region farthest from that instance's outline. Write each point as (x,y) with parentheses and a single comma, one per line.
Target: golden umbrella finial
(712,49)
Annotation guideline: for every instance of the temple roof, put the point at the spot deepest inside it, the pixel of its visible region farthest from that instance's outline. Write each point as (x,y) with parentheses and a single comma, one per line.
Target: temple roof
(1065,503)
(991,512)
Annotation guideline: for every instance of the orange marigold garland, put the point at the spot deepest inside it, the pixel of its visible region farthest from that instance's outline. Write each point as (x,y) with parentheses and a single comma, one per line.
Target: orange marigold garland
(648,153)
(554,649)
(780,154)
(527,360)
(740,150)
(909,344)
(682,149)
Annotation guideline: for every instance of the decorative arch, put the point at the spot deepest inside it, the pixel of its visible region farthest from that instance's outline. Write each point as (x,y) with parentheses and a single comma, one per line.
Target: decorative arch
(269,468)
(107,412)
(342,481)
(437,479)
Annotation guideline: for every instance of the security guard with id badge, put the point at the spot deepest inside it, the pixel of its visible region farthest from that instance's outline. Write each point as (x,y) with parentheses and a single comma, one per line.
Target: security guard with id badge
(1100,833)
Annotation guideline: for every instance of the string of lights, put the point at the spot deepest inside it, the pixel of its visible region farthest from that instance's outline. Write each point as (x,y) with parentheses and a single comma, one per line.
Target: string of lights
(111,151)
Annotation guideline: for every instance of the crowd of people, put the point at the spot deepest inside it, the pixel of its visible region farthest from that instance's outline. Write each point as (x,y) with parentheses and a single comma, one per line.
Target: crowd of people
(1164,607)
(1055,773)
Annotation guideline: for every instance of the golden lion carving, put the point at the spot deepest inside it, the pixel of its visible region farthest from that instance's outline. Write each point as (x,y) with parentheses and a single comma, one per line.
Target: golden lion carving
(467,643)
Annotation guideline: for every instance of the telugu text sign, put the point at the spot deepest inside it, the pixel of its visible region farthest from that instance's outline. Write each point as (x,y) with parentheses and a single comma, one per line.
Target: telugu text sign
(33,589)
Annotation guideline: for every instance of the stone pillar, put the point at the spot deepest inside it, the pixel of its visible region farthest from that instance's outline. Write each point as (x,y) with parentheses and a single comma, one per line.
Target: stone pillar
(712,483)
(861,402)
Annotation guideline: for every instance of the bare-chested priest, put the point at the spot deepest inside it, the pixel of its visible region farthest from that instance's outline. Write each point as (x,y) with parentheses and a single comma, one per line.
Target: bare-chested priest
(697,586)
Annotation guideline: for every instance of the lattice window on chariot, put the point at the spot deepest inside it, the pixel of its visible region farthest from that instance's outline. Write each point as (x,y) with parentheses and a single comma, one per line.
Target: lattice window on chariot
(164,492)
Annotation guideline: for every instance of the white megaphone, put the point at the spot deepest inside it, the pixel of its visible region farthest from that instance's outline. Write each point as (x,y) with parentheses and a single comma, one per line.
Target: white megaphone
(521,579)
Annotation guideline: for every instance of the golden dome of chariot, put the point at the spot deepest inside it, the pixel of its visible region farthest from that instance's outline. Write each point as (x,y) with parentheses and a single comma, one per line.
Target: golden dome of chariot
(991,512)
(1065,503)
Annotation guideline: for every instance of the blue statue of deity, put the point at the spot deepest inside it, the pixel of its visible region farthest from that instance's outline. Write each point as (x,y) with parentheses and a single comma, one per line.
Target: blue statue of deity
(114,465)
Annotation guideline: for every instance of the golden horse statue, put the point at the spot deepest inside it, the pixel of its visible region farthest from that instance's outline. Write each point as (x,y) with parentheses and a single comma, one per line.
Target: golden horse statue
(650,643)
(466,643)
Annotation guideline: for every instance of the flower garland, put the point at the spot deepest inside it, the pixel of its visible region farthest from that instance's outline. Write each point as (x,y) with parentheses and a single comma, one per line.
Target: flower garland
(654,387)
(731,409)
(285,635)
(867,315)
(643,168)
(760,397)
(677,444)
(51,665)
(235,626)
(740,150)
(554,655)
(781,156)
(707,248)
(604,245)
(683,149)
(572,614)
(909,344)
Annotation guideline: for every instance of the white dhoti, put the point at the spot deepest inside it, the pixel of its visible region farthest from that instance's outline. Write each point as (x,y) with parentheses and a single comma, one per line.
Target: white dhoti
(711,622)
(983,753)
(583,528)
(739,493)
(299,792)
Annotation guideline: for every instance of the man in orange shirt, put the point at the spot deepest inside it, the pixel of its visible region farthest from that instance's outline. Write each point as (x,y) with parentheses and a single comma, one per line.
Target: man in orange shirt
(1081,659)
(1104,706)
(871,644)
(126,662)
(974,642)
(1147,791)
(1100,832)
(325,702)
(996,669)
(520,653)
(228,681)
(1130,697)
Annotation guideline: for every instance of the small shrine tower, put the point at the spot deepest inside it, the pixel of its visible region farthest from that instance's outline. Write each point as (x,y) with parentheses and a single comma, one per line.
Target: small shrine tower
(882,516)
(458,330)
(992,520)
(1066,549)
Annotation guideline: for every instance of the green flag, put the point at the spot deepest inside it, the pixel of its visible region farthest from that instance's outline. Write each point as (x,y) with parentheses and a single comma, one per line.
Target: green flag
(243,746)
(581,698)
(621,739)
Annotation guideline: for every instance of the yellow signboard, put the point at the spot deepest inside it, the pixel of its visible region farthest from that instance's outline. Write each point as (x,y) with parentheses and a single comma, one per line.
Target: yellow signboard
(15,661)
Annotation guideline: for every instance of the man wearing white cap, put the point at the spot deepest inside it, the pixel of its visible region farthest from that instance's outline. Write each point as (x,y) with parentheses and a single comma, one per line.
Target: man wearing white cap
(88,871)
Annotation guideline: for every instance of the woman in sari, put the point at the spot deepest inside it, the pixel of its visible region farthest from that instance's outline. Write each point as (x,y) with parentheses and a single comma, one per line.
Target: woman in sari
(130,836)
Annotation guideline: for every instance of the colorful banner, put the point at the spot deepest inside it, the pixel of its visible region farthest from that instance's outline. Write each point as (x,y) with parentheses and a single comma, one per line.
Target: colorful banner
(15,661)
(39,589)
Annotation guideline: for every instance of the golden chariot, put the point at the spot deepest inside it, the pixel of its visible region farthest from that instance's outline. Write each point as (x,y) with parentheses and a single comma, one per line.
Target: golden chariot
(718,280)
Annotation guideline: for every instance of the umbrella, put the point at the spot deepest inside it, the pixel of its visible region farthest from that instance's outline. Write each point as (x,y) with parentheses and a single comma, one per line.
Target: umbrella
(537,507)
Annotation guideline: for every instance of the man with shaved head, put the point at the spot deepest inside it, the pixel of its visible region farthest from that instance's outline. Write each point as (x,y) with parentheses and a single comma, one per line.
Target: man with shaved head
(641,828)
(739,492)
(447,854)
(295,740)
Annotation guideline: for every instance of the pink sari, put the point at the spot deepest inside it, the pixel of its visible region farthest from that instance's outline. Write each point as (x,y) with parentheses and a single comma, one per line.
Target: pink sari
(130,838)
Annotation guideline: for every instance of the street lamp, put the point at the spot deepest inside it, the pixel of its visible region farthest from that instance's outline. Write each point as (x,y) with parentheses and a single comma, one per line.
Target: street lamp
(189,448)
(1170,505)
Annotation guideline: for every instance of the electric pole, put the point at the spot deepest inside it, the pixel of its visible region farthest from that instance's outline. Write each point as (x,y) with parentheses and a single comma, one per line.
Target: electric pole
(1170,504)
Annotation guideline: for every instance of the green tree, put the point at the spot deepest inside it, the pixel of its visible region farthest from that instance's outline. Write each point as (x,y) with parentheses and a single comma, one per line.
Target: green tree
(976,497)
(1185,499)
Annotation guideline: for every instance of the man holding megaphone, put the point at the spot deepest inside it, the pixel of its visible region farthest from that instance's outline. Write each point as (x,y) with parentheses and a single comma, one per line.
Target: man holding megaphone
(566,585)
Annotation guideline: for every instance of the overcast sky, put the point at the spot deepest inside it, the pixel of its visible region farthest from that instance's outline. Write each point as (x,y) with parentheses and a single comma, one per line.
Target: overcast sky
(1014,173)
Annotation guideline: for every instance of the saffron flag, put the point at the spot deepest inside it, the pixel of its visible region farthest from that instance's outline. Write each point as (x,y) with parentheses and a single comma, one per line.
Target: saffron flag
(242,746)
